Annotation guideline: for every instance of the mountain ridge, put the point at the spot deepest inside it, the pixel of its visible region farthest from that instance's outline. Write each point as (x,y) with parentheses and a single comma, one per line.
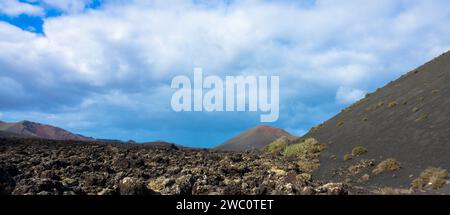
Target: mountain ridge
(29,129)
(254,138)
(407,120)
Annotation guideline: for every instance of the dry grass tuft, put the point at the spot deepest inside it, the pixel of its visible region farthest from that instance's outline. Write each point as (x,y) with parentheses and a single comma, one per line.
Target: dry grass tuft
(431,177)
(392,104)
(390,164)
(359,150)
(422,117)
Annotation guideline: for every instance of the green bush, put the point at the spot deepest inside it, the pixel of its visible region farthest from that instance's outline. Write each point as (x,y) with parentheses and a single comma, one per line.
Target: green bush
(359,150)
(308,146)
(340,124)
(347,157)
(278,145)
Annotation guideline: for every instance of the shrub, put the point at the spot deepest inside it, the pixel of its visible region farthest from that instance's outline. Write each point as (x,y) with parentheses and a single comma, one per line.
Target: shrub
(340,124)
(347,157)
(308,165)
(392,191)
(415,109)
(390,164)
(392,104)
(359,150)
(365,119)
(422,118)
(277,145)
(432,176)
(307,153)
(308,146)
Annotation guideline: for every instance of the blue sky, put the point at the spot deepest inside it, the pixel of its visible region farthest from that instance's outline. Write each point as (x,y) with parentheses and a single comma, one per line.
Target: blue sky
(103,68)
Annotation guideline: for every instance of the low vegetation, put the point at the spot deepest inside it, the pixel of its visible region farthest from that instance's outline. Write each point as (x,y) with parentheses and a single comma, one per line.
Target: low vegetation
(347,157)
(392,191)
(359,150)
(374,107)
(422,117)
(307,152)
(308,146)
(433,177)
(387,165)
(278,145)
(392,104)
(340,124)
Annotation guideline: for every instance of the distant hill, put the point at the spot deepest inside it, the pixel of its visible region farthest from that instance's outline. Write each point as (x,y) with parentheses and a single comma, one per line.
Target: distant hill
(28,129)
(408,120)
(161,144)
(255,138)
(6,134)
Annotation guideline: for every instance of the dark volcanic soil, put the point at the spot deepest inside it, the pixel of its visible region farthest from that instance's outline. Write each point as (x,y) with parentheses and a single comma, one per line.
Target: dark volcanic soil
(408,120)
(32,166)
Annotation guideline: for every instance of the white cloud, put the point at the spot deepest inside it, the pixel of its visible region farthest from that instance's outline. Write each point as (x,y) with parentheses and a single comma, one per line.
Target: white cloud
(126,51)
(16,8)
(65,6)
(345,95)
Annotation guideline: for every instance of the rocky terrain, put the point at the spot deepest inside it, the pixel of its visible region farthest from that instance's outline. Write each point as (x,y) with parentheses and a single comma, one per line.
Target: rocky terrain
(44,167)
(394,141)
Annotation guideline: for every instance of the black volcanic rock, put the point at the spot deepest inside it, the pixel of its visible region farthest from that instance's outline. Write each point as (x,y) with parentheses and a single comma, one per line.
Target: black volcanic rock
(49,167)
(408,120)
(7,183)
(254,138)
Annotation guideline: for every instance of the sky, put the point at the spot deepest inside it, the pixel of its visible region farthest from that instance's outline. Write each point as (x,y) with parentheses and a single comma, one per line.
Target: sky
(103,68)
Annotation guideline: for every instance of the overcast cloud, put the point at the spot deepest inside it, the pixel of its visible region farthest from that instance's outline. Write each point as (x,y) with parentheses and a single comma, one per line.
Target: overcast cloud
(104,68)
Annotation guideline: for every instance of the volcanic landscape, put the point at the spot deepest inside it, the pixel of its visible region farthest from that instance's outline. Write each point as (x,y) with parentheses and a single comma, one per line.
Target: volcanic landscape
(394,141)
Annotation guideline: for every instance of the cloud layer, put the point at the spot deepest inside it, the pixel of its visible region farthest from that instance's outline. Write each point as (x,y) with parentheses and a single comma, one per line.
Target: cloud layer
(106,71)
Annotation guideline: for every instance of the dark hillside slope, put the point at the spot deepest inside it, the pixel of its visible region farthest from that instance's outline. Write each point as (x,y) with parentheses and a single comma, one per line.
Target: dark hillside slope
(408,119)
